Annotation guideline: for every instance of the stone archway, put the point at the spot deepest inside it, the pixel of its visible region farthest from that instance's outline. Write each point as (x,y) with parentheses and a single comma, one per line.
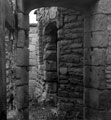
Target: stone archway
(50,61)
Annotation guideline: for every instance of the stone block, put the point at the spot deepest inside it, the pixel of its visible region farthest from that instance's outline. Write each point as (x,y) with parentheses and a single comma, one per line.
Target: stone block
(70,18)
(92,114)
(63,93)
(50,55)
(109,59)
(96,99)
(20,6)
(51,47)
(52,87)
(95,56)
(53,12)
(72,25)
(60,34)
(50,76)
(22,57)
(23,21)
(98,56)
(71,35)
(63,70)
(87,25)
(102,6)
(21,72)
(32,55)
(65,106)
(23,115)
(32,62)
(22,97)
(109,23)
(99,22)
(32,47)
(50,65)
(99,39)
(32,75)
(70,58)
(95,77)
(21,38)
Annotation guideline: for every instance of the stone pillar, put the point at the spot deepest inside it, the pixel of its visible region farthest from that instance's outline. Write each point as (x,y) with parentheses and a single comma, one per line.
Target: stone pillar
(22,63)
(50,62)
(2,63)
(97,53)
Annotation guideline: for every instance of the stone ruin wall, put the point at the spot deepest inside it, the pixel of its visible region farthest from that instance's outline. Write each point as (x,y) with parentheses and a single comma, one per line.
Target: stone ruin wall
(70,45)
(35,77)
(69,59)
(10,67)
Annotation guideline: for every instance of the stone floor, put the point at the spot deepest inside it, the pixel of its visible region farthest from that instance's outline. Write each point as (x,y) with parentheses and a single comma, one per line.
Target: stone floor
(37,113)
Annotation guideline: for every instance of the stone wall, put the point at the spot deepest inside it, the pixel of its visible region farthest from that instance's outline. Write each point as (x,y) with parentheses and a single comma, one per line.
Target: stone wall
(62,48)
(97,61)
(22,62)
(70,62)
(35,74)
(10,48)
(48,52)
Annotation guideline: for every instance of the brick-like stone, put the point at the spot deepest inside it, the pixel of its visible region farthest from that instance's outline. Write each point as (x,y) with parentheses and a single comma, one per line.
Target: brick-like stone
(52,87)
(50,65)
(109,59)
(98,56)
(50,76)
(50,47)
(21,38)
(95,77)
(99,39)
(22,97)
(98,22)
(63,70)
(22,57)
(92,114)
(96,99)
(23,21)
(50,55)
(20,6)
(102,6)
(21,73)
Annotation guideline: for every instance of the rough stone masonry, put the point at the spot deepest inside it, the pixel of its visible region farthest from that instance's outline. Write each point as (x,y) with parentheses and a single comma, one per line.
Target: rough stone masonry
(80,35)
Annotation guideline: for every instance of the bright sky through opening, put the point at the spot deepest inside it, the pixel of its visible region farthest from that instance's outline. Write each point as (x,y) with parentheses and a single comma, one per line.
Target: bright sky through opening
(32,17)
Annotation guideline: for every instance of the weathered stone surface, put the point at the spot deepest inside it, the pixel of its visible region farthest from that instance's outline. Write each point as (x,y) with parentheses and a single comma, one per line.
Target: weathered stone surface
(52,87)
(70,58)
(98,22)
(32,62)
(50,47)
(95,99)
(23,21)
(22,97)
(50,76)
(109,59)
(99,39)
(63,70)
(50,55)
(22,57)
(21,38)
(95,56)
(20,5)
(95,77)
(94,114)
(21,73)
(50,65)
(70,18)
(23,115)
(32,48)
(102,7)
